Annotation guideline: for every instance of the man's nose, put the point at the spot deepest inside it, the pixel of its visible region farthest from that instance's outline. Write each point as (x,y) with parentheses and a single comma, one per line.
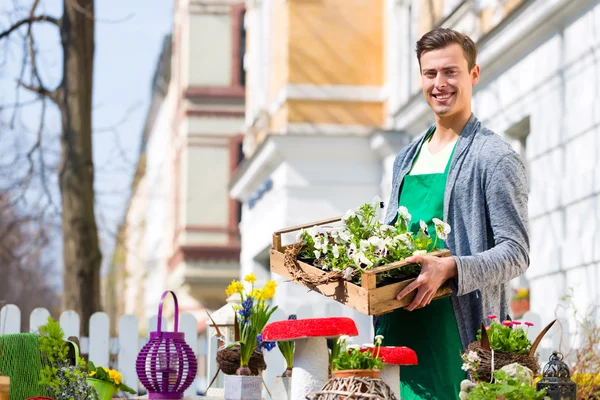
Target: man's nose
(440,81)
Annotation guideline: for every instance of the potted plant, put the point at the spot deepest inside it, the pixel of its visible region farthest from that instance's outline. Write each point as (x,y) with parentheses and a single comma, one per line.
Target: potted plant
(251,318)
(63,380)
(4,387)
(519,303)
(354,360)
(106,381)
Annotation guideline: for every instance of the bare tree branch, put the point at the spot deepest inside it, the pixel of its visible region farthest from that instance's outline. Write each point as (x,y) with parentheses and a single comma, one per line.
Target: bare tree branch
(28,21)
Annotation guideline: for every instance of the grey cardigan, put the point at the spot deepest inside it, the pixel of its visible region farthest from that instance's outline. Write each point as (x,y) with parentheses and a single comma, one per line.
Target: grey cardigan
(485,202)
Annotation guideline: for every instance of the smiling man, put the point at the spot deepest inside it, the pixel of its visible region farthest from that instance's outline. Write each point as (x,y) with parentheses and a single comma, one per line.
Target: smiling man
(467,176)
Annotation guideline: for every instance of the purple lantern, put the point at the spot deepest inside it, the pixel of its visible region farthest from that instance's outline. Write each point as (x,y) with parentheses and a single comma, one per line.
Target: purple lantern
(166,365)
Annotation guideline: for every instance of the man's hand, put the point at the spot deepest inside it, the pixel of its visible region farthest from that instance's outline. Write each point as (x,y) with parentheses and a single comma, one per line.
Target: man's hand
(434,272)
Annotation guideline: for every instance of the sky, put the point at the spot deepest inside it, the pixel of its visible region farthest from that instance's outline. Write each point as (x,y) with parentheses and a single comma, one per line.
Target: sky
(129,37)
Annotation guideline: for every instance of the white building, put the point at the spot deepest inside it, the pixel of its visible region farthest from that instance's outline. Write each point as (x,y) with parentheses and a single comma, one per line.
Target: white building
(320,76)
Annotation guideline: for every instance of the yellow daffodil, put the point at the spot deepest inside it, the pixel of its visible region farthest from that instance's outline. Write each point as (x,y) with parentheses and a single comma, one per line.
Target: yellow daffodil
(271,285)
(268,293)
(92,373)
(250,278)
(256,294)
(234,287)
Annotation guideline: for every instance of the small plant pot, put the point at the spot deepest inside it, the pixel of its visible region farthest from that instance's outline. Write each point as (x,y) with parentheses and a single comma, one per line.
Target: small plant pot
(104,389)
(358,373)
(4,387)
(243,387)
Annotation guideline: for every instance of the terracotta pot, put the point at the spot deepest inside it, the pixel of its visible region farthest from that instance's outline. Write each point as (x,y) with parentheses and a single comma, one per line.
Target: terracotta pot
(359,373)
(519,307)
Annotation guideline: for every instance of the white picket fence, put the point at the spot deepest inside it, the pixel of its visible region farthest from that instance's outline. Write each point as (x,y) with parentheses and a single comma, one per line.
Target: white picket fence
(100,346)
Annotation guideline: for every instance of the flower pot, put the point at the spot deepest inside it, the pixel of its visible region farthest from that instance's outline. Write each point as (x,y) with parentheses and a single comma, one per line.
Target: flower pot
(358,373)
(519,307)
(4,387)
(104,389)
(243,387)
(281,387)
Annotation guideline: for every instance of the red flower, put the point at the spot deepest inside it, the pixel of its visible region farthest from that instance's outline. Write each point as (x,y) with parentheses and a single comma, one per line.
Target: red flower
(507,323)
(492,316)
(528,324)
(516,322)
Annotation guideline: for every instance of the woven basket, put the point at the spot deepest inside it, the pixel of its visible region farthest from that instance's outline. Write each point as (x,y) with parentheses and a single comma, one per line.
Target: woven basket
(493,361)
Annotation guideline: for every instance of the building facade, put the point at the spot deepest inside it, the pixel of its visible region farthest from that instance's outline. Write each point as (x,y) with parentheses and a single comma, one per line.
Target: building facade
(333,93)
(180,230)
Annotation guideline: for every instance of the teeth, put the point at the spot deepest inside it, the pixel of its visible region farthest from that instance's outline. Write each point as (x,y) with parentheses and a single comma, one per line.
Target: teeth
(445,96)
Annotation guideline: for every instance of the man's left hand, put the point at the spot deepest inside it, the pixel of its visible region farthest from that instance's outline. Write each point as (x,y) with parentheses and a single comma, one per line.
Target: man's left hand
(434,272)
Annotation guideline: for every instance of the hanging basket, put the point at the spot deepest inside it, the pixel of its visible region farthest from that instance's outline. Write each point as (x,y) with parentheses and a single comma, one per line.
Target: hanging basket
(166,365)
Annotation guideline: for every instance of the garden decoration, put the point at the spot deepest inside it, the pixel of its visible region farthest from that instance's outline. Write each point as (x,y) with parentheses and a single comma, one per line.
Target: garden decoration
(358,261)
(357,369)
(62,379)
(394,357)
(20,364)
(500,344)
(512,382)
(311,360)
(106,381)
(166,365)
(245,354)
(556,379)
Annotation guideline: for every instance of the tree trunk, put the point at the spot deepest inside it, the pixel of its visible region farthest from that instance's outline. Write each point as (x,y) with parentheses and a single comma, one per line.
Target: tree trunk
(81,253)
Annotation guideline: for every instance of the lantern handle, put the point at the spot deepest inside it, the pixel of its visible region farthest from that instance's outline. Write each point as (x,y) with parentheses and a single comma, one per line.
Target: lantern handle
(160,310)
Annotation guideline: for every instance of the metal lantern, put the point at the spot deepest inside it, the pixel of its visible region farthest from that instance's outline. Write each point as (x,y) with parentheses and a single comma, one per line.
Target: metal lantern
(556,379)
(166,365)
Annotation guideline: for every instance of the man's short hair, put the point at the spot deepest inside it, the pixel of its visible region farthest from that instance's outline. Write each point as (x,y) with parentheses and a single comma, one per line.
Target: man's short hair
(439,38)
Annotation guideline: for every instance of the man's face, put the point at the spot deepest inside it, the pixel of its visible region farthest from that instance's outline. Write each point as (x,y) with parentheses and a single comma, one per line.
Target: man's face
(446,80)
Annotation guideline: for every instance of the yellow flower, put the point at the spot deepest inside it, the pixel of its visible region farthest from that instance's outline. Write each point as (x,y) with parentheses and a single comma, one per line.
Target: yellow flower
(92,373)
(256,294)
(115,376)
(234,287)
(268,293)
(250,278)
(271,285)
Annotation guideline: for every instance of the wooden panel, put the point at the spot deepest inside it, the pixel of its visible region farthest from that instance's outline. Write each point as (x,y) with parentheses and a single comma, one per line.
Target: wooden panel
(383,300)
(38,317)
(99,339)
(343,291)
(128,349)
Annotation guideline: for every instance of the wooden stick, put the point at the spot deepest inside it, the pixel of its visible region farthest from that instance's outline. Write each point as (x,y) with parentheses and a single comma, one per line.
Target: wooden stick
(309,225)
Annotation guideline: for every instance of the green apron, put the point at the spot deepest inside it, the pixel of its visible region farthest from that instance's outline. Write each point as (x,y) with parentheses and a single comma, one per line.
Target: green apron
(431,331)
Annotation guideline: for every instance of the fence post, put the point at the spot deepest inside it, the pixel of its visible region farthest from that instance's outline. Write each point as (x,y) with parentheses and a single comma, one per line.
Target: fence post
(99,339)
(128,349)
(10,319)
(38,317)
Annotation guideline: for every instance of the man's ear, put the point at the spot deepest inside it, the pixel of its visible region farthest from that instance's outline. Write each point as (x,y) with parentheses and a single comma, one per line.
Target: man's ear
(475,74)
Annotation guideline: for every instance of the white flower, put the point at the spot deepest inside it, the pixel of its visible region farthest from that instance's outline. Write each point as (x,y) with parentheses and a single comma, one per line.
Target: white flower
(387,228)
(364,245)
(442,229)
(368,345)
(378,338)
(299,235)
(348,273)
(353,347)
(345,235)
(349,214)
(419,252)
(424,229)
(317,254)
(404,214)
(376,241)
(466,367)
(336,251)
(351,249)
(343,338)
(361,260)
(472,357)
(377,203)
(405,239)
(314,231)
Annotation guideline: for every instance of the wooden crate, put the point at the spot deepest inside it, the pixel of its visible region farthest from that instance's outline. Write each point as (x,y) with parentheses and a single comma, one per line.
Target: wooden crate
(368,298)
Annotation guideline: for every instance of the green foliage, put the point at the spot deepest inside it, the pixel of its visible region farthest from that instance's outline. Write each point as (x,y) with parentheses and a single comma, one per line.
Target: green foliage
(63,381)
(111,376)
(345,356)
(507,337)
(287,350)
(506,386)
(362,242)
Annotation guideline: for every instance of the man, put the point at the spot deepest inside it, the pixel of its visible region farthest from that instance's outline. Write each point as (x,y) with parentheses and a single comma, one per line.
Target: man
(467,176)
